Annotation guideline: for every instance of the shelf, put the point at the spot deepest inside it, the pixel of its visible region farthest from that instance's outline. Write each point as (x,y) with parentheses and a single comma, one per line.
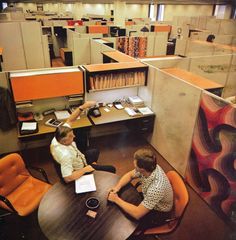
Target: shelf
(115,75)
(114,88)
(114,66)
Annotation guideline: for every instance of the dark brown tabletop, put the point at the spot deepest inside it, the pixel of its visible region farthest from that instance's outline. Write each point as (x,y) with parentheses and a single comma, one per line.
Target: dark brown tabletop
(62,212)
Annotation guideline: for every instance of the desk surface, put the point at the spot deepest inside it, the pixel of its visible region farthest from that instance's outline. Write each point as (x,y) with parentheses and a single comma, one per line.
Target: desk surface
(114,115)
(44,129)
(192,78)
(118,56)
(62,213)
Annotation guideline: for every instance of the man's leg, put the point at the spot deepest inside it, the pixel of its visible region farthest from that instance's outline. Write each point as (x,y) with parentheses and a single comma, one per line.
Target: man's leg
(92,155)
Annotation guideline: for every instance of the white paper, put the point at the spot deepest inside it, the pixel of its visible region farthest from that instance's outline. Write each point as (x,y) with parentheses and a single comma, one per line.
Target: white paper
(106,110)
(61,115)
(85,183)
(119,106)
(29,126)
(131,112)
(145,110)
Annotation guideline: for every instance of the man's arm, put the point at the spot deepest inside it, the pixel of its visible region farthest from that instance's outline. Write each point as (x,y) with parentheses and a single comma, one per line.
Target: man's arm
(78,111)
(128,177)
(78,173)
(135,211)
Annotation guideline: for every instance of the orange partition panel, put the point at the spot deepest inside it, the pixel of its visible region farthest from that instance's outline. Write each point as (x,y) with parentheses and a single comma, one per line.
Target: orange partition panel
(162,29)
(47,86)
(98,29)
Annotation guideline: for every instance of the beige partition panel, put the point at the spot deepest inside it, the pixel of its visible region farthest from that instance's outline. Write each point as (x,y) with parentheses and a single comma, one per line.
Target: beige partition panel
(227,26)
(195,48)
(147,92)
(80,29)
(46,54)
(150,45)
(168,62)
(12,44)
(181,46)
(176,105)
(96,49)
(81,51)
(70,36)
(230,86)
(160,46)
(213,25)
(212,67)
(32,41)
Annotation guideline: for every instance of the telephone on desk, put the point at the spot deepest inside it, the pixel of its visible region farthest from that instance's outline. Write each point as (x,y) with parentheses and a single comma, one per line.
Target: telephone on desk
(95,112)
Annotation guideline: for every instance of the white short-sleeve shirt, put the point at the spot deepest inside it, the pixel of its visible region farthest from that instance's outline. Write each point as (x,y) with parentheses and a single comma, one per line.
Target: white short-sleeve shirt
(157,191)
(69,157)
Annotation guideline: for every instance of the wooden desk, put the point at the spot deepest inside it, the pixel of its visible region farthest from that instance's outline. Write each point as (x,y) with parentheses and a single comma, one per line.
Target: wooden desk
(44,129)
(62,212)
(139,124)
(194,79)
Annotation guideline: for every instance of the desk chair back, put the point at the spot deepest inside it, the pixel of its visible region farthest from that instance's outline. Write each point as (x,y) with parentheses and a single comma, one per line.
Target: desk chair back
(20,192)
(181,199)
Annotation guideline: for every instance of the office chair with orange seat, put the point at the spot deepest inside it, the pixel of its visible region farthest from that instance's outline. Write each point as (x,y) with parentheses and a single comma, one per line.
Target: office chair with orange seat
(20,192)
(181,199)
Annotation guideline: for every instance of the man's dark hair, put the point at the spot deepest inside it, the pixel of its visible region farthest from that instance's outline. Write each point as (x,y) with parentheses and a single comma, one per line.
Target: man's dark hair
(145,159)
(62,132)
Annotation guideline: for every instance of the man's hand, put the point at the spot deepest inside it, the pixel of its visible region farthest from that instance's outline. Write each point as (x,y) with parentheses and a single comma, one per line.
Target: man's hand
(114,189)
(88,169)
(112,197)
(88,104)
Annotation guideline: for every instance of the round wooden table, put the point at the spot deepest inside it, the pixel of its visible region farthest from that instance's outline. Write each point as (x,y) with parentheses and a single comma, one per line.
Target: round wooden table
(62,212)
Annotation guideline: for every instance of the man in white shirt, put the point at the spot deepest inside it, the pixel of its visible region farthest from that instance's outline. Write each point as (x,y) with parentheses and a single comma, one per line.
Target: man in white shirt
(157,202)
(73,163)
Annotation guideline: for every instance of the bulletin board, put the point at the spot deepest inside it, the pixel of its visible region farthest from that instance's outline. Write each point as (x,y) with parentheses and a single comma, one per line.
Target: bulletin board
(42,86)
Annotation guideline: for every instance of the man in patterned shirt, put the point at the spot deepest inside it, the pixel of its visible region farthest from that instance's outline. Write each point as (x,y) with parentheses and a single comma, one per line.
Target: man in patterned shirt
(157,192)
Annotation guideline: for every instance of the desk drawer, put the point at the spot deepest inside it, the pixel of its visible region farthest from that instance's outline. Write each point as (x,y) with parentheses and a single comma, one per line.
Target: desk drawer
(142,125)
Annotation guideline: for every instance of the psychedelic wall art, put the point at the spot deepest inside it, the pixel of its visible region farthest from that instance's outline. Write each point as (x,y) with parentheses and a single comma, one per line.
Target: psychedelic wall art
(211,168)
(132,46)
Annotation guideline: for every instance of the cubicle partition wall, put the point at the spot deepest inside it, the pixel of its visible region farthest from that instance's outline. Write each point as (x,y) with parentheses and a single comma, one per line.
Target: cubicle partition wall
(26,38)
(211,164)
(175,104)
(230,86)
(215,68)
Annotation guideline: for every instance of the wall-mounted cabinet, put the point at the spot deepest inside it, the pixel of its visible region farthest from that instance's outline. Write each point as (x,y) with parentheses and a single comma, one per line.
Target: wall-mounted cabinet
(115,75)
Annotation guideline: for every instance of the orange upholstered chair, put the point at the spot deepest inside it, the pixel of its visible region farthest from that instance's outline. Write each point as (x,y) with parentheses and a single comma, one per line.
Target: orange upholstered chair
(20,192)
(181,199)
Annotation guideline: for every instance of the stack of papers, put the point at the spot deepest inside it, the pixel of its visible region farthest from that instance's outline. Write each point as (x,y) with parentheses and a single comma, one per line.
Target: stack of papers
(29,126)
(85,183)
(61,115)
(145,111)
(136,101)
(133,112)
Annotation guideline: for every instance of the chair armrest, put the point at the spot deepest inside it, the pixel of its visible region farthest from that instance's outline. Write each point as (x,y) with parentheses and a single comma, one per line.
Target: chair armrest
(8,203)
(40,170)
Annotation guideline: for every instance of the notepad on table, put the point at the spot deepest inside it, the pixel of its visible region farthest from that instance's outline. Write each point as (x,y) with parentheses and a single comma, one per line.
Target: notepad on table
(61,115)
(85,183)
